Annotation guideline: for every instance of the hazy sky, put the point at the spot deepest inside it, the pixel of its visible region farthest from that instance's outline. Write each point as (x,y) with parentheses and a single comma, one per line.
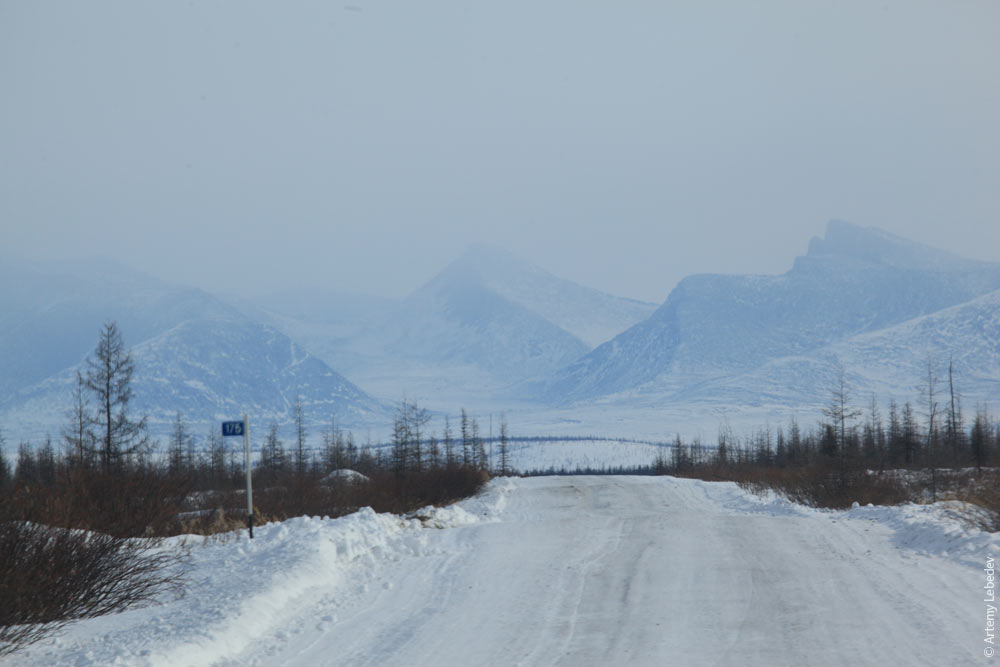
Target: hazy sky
(623,143)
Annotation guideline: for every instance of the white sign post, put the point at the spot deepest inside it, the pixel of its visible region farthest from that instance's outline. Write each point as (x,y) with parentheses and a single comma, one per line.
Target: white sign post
(243,428)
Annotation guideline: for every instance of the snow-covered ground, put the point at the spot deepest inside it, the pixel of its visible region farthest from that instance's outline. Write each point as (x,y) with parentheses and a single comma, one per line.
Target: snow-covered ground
(573,571)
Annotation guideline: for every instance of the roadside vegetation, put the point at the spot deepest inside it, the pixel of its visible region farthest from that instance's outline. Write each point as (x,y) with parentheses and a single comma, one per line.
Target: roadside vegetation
(82,522)
(918,453)
(813,468)
(909,453)
(912,454)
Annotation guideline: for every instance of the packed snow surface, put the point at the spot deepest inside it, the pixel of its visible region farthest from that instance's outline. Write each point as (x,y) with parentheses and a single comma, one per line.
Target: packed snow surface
(571,571)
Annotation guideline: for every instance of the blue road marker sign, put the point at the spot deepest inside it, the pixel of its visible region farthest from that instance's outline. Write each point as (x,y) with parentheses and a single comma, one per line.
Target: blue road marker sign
(232,428)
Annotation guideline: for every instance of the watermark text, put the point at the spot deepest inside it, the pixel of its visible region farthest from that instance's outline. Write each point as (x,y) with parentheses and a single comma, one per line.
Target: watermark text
(990,598)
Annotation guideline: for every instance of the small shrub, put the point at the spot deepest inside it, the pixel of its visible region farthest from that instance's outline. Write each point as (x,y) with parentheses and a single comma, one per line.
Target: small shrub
(133,503)
(405,492)
(51,576)
(816,485)
(983,490)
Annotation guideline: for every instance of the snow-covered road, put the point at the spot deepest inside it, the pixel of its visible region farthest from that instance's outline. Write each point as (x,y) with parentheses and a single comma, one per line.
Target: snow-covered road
(585,571)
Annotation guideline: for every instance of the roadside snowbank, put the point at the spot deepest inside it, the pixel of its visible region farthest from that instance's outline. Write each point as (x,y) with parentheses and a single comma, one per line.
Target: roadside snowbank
(534,564)
(941,529)
(239,589)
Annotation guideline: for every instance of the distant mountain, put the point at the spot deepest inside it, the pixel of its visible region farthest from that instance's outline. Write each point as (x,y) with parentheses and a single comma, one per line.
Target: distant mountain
(889,362)
(50,314)
(494,310)
(212,369)
(341,328)
(193,352)
(853,281)
(457,319)
(238,365)
(591,315)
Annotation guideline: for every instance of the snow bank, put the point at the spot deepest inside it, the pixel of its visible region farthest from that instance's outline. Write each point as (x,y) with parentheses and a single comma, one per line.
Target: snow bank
(346,475)
(240,589)
(938,529)
(935,529)
(308,584)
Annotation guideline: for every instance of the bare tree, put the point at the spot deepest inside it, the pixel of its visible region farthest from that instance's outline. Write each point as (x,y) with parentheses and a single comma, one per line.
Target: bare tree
(272,454)
(780,448)
(841,413)
(464,426)
(416,418)
(25,472)
(4,465)
(335,455)
(51,576)
(407,436)
(300,438)
(930,396)
(679,454)
(216,455)
(109,377)
(723,443)
(449,445)
(400,440)
(504,446)
(910,434)
(478,448)
(177,450)
(795,454)
(45,458)
(955,427)
(979,439)
(350,450)
(78,434)
(873,442)
(433,452)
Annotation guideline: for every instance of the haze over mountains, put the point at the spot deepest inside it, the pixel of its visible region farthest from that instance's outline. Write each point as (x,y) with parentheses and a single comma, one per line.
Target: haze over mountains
(50,314)
(889,362)
(508,316)
(495,329)
(194,353)
(487,320)
(714,327)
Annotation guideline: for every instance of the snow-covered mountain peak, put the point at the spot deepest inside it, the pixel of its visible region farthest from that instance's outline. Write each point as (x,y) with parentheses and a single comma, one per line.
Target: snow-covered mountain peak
(193,352)
(587,314)
(855,280)
(491,267)
(846,240)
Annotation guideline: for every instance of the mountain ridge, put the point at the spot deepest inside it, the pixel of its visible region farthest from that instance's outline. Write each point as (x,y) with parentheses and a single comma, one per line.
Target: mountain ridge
(193,352)
(715,324)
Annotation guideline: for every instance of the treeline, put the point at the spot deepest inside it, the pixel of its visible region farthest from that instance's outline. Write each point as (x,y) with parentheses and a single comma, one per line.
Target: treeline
(907,453)
(109,475)
(582,438)
(193,486)
(593,470)
(899,441)
(411,450)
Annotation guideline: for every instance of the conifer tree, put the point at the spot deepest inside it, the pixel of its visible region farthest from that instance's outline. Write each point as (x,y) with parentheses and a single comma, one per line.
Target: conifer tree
(300,438)
(504,447)
(109,378)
